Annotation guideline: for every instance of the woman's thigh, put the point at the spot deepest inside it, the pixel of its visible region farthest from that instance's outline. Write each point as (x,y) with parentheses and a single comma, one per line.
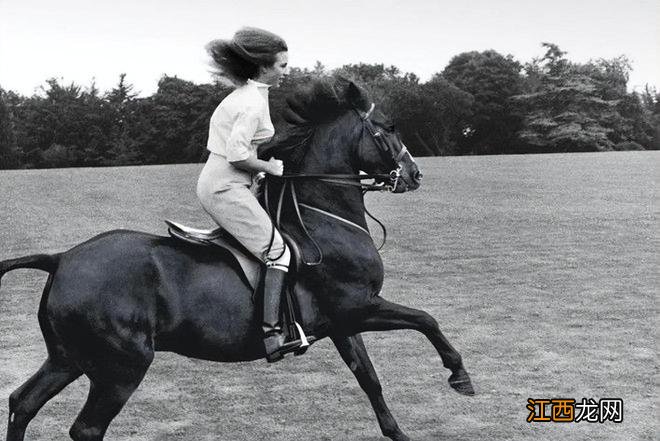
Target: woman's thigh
(238,211)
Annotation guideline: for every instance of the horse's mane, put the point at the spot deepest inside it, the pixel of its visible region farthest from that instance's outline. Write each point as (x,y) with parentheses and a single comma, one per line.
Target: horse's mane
(317,102)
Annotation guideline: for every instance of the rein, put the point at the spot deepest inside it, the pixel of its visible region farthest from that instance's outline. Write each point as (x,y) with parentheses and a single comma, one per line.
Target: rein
(391,178)
(347,179)
(297,205)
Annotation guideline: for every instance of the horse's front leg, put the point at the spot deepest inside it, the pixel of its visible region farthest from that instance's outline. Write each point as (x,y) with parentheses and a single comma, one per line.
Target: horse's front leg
(354,353)
(383,316)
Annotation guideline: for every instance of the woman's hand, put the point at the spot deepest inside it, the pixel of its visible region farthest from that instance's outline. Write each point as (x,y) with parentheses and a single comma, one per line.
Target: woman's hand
(253,165)
(275,167)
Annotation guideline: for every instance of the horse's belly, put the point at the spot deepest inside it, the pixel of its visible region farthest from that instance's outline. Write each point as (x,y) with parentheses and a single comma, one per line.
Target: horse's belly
(247,348)
(213,325)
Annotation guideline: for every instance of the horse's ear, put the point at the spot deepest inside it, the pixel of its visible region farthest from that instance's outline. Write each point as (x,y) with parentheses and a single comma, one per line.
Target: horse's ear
(294,113)
(293,118)
(357,97)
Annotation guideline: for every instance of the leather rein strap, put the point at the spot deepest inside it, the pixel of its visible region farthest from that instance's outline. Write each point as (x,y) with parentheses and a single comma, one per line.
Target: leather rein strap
(297,205)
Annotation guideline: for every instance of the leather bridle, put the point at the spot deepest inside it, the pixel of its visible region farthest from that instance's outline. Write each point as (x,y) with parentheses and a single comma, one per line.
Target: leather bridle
(385,148)
(387,152)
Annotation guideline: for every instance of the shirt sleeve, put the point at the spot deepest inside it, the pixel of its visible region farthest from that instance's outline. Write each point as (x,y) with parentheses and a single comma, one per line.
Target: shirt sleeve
(242,133)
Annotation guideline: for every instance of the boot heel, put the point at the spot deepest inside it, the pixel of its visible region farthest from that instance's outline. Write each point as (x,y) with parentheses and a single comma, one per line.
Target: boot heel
(274,358)
(301,351)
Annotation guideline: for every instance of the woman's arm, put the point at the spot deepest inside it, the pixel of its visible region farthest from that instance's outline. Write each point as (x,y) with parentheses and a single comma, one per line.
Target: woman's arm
(254,165)
(238,151)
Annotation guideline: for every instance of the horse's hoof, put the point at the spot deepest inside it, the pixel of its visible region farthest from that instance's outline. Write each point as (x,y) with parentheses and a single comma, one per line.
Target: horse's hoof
(460,381)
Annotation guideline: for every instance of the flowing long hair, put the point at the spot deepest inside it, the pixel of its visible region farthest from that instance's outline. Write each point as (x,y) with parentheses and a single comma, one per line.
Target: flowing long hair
(239,59)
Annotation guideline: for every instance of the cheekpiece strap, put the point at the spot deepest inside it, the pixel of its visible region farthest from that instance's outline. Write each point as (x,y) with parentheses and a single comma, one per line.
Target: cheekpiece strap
(369,112)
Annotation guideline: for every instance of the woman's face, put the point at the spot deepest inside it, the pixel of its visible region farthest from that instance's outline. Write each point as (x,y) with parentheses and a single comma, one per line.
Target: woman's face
(273,74)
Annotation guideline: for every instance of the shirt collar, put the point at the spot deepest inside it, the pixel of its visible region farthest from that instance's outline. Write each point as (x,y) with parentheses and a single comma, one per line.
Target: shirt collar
(258,84)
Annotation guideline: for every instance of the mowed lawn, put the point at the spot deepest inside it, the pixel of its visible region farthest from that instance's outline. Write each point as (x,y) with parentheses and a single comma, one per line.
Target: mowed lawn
(542,270)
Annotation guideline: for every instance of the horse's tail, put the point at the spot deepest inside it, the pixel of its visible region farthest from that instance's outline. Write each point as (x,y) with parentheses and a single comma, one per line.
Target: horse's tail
(44,262)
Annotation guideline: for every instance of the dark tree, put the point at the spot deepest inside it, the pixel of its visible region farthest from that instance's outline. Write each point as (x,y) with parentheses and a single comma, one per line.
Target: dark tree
(8,147)
(124,148)
(174,121)
(66,124)
(581,107)
(492,79)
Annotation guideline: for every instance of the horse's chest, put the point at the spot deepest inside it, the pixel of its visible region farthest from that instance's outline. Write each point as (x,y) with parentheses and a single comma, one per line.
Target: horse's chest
(361,271)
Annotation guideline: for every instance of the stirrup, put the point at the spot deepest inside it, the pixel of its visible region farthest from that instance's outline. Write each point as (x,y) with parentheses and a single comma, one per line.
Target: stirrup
(297,346)
(304,343)
(278,354)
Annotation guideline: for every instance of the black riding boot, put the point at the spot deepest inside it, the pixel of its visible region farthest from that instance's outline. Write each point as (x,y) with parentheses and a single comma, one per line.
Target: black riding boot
(274,338)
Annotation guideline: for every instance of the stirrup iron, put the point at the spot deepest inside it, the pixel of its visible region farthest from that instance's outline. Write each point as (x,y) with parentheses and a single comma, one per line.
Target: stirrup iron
(304,343)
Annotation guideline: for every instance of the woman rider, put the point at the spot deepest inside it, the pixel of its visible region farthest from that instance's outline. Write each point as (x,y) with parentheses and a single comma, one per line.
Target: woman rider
(254,60)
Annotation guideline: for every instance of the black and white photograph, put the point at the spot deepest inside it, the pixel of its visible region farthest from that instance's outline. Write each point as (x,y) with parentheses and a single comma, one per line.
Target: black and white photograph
(329,221)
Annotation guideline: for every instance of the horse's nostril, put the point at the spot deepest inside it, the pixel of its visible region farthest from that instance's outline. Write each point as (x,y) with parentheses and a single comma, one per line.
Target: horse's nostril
(418,176)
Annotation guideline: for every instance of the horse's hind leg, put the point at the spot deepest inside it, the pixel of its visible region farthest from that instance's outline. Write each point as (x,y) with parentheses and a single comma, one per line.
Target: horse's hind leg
(110,388)
(354,353)
(25,402)
(384,316)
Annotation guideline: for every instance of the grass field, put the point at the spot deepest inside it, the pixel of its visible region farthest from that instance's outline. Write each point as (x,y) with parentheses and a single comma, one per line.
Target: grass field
(542,270)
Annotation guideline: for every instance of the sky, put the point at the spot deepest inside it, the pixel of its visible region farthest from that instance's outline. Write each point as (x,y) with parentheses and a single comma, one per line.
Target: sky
(96,40)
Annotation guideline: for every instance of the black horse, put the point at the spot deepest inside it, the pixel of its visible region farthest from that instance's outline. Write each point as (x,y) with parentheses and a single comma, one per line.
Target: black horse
(111,302)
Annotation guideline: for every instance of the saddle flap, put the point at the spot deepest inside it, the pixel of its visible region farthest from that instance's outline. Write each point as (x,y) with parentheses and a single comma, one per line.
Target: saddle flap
(219,238)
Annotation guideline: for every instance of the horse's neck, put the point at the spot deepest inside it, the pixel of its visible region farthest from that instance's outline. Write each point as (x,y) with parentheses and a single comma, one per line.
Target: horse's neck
(332,155)
(339,200)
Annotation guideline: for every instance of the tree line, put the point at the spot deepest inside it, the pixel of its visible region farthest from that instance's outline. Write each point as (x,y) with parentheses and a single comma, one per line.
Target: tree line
(481,103)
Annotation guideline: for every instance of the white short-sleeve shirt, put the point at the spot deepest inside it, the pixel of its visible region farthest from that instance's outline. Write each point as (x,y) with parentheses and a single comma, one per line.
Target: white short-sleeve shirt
(241,122)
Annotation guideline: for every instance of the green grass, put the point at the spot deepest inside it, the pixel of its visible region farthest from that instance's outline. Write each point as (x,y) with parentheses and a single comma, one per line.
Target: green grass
(542,271)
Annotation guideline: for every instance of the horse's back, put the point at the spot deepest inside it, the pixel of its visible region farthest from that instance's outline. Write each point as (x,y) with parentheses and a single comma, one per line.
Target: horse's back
(113,267)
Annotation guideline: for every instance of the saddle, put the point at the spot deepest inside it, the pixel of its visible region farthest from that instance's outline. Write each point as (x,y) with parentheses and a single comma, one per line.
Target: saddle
(220,238)
(253,270)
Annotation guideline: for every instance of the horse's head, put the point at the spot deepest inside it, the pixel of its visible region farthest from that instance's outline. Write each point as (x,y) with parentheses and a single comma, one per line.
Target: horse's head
(336,128)
(380,149)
